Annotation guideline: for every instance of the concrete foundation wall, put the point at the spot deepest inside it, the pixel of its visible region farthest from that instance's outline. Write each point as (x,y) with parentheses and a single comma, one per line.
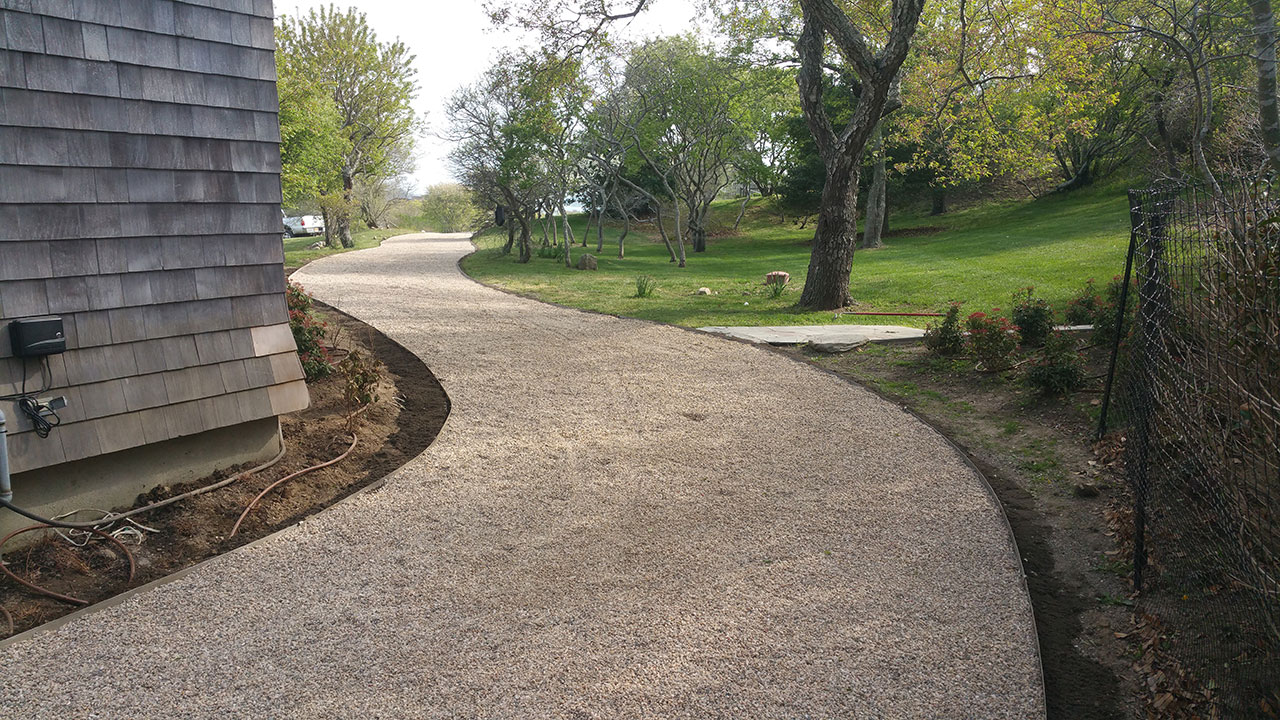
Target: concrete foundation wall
(116,480)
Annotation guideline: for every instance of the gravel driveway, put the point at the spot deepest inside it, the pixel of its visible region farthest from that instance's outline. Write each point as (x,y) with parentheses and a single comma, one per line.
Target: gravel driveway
(619,520)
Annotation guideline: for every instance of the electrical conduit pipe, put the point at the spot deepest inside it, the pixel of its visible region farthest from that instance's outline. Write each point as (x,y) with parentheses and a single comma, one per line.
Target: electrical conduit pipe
(6,489)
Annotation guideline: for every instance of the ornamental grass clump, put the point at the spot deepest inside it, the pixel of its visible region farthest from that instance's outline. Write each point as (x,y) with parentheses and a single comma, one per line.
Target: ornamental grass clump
(1058,368)
(1032,316)
(945,339)
(992,339)
(646,285)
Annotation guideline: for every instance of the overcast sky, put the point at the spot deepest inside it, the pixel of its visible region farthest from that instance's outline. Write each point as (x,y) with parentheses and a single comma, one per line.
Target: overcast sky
(454,43)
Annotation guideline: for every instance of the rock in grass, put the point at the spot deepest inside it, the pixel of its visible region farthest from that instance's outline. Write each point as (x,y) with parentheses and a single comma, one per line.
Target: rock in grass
(587,262)
(704,291)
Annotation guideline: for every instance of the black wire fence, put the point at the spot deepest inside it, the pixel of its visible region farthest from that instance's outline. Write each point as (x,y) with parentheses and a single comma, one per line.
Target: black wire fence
(1197,399)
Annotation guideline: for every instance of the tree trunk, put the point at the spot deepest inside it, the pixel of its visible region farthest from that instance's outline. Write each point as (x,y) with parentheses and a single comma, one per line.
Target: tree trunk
(697,231)
(874,226)
(526,240)
(343,221)
(600,228)
(826,287)
(568,239)
(742,211)
(330,238)
(344,213)
(568,229)
(1264,30)
(626,227)
(511,238)
(939,201)
(679,234)
(591,216)
(662,230)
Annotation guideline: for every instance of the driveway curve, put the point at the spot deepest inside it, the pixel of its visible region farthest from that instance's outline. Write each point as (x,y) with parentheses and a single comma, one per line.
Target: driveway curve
(620,519)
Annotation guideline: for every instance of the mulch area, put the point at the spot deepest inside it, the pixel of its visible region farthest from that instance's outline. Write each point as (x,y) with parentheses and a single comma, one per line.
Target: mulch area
(407,414)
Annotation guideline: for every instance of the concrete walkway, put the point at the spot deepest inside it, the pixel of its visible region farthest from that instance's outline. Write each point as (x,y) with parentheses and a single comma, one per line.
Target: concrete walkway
(619,520)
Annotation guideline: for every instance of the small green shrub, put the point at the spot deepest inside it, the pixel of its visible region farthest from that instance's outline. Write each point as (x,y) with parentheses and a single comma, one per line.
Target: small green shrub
(360,379)
(553,252)
(945,339)
(1083,308)
(992,339)
(646,286)
(1058,368)
(308,333)
(1032,316)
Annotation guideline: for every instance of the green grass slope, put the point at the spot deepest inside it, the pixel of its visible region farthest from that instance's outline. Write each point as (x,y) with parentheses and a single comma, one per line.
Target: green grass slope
(978,256)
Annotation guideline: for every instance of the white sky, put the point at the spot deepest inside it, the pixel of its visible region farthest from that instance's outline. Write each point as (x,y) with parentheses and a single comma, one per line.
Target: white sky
(454,43)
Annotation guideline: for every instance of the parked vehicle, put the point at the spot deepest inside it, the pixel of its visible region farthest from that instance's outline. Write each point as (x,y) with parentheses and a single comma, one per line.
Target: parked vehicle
(304,225)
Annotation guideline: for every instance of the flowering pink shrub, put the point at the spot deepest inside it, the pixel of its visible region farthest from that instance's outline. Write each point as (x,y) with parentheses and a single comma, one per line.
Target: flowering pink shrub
(308,333)
(992,339)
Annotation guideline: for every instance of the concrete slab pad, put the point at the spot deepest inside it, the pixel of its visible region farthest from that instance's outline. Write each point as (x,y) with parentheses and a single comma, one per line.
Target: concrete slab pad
(801,334)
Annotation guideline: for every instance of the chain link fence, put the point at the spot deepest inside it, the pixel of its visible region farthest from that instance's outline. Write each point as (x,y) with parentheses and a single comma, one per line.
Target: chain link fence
(1196,395)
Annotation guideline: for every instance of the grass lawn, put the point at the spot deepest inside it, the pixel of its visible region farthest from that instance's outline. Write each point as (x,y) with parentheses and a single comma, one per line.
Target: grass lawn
(296,253)
(978,256)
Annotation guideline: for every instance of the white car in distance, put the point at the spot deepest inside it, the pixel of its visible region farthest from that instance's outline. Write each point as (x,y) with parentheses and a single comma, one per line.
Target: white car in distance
(304,225)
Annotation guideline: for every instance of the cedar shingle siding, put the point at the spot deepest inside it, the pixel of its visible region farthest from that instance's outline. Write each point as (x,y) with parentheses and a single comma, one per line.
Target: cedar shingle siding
(140,200)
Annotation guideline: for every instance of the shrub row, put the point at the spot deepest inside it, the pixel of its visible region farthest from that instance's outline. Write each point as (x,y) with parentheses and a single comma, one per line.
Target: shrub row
(1056,366)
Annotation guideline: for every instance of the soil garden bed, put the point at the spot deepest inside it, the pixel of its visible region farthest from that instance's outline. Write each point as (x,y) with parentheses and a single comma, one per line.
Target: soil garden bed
(407,414)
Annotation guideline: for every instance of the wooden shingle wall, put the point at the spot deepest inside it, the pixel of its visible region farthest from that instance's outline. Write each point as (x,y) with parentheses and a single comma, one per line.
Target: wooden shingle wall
(140,200)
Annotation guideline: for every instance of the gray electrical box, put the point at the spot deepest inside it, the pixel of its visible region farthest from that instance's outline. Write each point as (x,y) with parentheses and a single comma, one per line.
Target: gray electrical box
(36,337)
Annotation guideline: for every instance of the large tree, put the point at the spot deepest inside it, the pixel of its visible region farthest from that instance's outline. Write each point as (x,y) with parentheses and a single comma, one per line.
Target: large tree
(506,129)
(831,261)
(311,139)
(688,128)
(372,85)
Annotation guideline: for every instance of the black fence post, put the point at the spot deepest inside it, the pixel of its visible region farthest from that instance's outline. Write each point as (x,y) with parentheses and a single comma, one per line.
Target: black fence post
(1135,219)
(1151,315)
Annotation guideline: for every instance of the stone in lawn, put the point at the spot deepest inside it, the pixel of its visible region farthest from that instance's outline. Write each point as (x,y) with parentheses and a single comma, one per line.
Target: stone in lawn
(777,277)
(704,291)
(587,262)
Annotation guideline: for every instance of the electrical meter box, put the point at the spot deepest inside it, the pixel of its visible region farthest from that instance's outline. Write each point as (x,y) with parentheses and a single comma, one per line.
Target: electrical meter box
(37,337)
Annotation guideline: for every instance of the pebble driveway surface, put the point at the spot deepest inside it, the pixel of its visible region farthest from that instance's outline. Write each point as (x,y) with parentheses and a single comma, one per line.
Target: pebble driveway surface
(619,520)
